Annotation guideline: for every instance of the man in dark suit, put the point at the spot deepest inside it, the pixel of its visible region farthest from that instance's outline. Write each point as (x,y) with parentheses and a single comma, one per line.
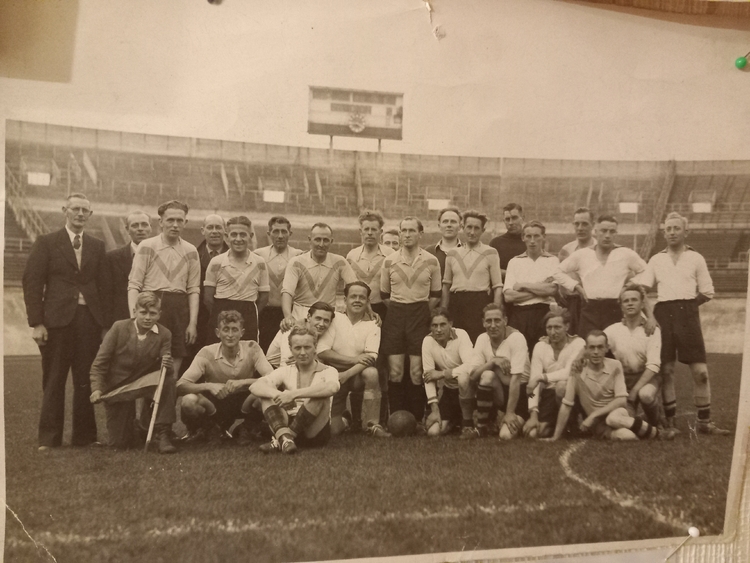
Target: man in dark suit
(61,286)
(119,262)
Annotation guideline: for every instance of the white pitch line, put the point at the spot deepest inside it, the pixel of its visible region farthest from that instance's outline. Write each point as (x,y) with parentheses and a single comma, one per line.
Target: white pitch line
(623,500)
(238,526)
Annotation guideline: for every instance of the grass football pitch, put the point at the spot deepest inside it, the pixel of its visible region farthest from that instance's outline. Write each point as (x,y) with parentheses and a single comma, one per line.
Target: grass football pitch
(359,496)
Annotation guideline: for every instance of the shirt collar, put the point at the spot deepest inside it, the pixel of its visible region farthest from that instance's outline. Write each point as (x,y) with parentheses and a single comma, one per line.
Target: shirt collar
(133,247)
(162,242)
(328,262)
(439,245)
(72,235)
(381,251)
(525,254)
(687,247)
(400,257)
(154,328)
(220,355)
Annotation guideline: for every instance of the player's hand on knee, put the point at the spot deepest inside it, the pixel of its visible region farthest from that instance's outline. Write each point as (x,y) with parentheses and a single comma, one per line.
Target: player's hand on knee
(502,363)
(586,425)
(513,422)
(96,396)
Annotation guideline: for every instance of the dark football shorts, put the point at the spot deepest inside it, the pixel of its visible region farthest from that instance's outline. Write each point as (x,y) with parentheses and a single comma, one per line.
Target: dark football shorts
(681,334)
(404,328)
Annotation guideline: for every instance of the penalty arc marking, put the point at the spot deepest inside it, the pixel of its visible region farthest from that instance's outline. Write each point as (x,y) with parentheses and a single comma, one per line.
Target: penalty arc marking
(622,500)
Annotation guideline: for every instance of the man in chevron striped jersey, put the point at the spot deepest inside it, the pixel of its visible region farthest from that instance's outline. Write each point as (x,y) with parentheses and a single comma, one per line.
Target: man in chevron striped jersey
(170,267)
(313,276)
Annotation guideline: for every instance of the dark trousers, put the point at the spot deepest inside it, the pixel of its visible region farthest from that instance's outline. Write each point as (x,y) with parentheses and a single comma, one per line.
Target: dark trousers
(466,308)
(121,413)
(598,314)
(528,320)
(72,347)
(268,324)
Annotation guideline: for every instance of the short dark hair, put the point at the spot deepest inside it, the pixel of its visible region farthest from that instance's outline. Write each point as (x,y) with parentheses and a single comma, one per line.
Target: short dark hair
(441,312)
(172,204)
(445,210)
(597,332)
(534,225)
(585,210)
(358,283)
(279,219)
(322,225)
(474,214)
(493,307)
(368,215)
(609,218)
(420,226)
(321,306)
(240,220)
(231,316)
(148,299)
(511,206)
(298,330)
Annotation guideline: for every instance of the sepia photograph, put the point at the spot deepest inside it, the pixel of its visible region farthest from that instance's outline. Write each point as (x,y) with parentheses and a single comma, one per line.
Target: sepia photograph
(366,289)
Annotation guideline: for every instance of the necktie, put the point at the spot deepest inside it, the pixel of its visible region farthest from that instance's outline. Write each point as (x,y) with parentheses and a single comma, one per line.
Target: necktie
(77,242)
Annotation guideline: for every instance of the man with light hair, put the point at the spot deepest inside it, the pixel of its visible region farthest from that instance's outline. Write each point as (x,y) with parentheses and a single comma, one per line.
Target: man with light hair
(296,399)
(169,266)
(639,354)
(683,284)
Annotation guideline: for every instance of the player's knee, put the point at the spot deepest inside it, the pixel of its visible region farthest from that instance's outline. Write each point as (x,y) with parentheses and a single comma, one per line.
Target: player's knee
(617,418)
(533,434)
(622,434)
(315,406)
(647,395)
(464,382)
(190,406)
(370,377)
(486,378)
(338,425)
(700,376)
(506,434)
(560,387)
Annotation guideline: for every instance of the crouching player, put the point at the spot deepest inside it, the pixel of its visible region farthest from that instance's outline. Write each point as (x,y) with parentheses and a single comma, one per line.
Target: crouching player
(599,390)
(500,371)
(216,384)
(302,411)
(351,346)
(550,367)
(127,367)
(446,355)
(639,354)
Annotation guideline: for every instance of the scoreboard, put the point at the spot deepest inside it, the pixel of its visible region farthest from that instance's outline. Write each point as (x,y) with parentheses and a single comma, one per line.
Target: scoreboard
(355,113)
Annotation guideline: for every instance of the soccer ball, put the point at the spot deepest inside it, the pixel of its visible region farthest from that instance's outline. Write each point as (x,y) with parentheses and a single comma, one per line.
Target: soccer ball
(402,423)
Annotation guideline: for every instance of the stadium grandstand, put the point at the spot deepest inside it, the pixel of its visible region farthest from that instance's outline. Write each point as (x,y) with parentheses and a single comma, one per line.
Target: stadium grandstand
(122,171)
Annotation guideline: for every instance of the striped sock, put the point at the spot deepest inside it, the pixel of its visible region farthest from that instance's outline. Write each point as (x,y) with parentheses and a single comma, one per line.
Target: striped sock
(643,429)
(704,413)
(484,404)
(277,420)
(670,409)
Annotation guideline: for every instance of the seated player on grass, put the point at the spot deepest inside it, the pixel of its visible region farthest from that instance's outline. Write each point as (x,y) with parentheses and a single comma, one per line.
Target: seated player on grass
(351,346)
(446,354)
(550,366)
(319,318)
(598,389)
(127,367)
(216,384)
(296,399)
(639,354)
(499,374)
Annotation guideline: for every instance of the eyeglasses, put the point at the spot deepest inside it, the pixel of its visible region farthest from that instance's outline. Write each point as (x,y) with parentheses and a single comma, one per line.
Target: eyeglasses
(77,210)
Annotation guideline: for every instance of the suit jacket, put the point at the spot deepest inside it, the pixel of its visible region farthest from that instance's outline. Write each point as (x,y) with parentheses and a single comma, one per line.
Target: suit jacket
(121,360)
(52,279)
(115,288)
(203,312)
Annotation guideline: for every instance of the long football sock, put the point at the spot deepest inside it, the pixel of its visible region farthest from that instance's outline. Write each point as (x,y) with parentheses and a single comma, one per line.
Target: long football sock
(302,421)
(485,401)
(396,399)
(370,407)
(418,402)
(704,413)
(277,421)
(643,429)
(467,412)
(355,400)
